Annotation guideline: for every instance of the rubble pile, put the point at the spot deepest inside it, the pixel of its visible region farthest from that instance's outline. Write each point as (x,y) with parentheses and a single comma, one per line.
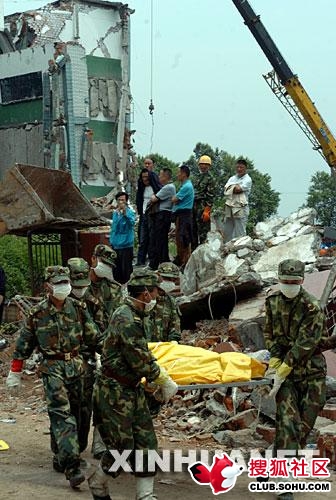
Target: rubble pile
(255,258)
(214,335)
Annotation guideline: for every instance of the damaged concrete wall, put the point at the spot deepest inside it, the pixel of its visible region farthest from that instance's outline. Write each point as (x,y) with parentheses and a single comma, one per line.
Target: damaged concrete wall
(21,145)
(100,156)
(21,131)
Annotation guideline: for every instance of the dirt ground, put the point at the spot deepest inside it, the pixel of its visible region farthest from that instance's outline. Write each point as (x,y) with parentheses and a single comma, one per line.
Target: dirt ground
(26,471)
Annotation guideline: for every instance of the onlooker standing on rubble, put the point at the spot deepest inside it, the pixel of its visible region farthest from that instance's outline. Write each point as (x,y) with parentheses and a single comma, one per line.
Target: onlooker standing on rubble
(58,326)
(161,219)
(122,238)
(182,210)
(204,186)
(148,184)
(294,332)
(2,291)
(237,190)
(103,297)
(123,417)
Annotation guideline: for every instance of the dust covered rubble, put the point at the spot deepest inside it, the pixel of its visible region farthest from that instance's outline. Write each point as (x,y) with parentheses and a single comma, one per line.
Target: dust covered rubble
(253,260)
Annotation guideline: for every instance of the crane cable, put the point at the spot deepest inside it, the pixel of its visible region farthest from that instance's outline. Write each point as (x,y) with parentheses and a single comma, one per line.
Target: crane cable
(151,105)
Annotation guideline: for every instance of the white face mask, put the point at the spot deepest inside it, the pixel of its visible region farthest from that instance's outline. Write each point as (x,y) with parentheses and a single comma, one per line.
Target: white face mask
(103,270)
(167,286)
(61,292)
(79,292)
(149,306)
(289,291)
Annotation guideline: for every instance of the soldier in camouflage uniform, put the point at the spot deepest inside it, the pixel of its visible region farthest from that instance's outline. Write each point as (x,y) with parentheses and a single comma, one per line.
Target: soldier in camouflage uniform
(164,316)
(103,297)
(80,281)
(122,414)
(104,294)
(58,326)
(204,186)
(294,333)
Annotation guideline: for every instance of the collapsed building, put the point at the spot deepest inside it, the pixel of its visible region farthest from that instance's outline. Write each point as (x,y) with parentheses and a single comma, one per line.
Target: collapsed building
(65,96)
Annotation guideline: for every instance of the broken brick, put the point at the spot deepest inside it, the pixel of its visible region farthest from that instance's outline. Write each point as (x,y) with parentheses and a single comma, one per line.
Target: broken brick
(329,411)
(242,420)
(267,433)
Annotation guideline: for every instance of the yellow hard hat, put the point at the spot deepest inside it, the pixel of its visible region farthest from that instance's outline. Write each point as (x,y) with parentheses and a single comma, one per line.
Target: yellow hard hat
(205,159)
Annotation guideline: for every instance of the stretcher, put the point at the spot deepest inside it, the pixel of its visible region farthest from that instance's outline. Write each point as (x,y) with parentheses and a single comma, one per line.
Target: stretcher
(250,383)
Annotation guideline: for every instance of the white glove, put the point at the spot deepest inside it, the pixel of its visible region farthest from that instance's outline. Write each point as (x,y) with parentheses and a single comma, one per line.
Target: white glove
(276,385)
(166,391)
(168,388)
(13,382)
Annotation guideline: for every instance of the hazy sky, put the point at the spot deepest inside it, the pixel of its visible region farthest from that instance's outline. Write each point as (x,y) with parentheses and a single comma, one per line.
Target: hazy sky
(208,85)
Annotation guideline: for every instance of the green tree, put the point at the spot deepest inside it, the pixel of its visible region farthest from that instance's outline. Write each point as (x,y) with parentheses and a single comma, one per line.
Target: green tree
(14,260)
(322,197)
(159,162)
(264,200)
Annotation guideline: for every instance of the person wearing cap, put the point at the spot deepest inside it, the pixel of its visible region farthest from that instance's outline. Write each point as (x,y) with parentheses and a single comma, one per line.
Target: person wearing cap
(80,281)
(104,293)
(58,326)
(237,190)
(103,297)
(204,186)
(295,329)
(164,316)
(182,211)
(122,238)
(123,416)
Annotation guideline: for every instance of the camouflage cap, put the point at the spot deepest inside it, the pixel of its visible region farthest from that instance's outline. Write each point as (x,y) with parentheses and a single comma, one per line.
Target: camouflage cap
(55,274)
(168,270)
(106,254)
(143,277)
(79,271)
(291,269)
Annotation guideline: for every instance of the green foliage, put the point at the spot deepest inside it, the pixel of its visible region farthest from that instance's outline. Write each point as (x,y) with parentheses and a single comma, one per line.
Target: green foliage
(159,162)
(14,261)
(322,197)
(263,202)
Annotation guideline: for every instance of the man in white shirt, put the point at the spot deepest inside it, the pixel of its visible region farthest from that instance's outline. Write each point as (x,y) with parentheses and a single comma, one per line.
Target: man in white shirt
(237,190)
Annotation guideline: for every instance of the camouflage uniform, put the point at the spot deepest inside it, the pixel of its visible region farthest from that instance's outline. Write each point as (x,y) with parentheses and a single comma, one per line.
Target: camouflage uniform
(59,335)
(79,277)
(165,321)
(122,414)
(294,329)
(204,186)
(103,296)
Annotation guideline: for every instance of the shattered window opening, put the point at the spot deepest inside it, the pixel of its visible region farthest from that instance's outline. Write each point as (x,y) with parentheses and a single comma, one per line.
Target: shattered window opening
(21,88)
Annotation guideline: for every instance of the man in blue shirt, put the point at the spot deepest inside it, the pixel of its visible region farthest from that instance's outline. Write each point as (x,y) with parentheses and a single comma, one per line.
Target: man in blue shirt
(122,238)
(183,204)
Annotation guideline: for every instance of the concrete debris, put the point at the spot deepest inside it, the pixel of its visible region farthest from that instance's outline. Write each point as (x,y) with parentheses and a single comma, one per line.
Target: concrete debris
(276,239)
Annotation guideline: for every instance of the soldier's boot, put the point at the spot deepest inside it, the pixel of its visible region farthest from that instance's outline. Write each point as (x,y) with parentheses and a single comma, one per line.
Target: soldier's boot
(286,496)
(98,484)
(98,448)
(75,477)
(56,465)
(144,488)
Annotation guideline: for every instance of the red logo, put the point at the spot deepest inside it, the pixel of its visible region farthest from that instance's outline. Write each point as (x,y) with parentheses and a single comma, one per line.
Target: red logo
(221,476)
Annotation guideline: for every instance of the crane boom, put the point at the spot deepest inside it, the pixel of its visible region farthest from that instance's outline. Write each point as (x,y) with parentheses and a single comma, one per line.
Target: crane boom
(289,90)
